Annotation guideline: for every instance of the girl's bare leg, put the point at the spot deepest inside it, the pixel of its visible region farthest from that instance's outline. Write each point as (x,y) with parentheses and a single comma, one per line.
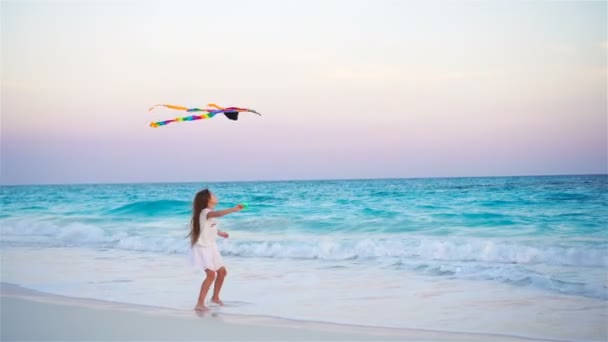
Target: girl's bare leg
(219,281)
(200,305)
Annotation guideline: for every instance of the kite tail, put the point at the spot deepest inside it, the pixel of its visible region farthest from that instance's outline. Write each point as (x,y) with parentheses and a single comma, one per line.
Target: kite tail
(180,119)
(168,106)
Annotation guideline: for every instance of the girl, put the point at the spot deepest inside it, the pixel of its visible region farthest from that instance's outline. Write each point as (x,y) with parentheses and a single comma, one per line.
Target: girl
(205,253)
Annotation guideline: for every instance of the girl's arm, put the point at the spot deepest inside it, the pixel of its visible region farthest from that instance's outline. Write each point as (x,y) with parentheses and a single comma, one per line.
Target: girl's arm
(224,212)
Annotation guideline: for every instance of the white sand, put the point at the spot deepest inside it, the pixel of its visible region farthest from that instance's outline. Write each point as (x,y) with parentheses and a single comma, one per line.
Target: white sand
(31,315)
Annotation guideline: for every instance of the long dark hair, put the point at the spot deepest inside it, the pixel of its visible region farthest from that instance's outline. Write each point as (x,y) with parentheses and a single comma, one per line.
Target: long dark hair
(201,200)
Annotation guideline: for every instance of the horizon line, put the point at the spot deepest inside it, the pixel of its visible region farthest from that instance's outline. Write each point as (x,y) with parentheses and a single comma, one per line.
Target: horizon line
(306,180)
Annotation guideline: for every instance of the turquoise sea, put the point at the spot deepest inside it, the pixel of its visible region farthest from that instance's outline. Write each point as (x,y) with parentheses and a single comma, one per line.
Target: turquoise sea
(366,242)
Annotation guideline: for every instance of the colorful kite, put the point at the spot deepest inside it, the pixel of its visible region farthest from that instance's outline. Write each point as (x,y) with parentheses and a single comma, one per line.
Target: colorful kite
(231,113)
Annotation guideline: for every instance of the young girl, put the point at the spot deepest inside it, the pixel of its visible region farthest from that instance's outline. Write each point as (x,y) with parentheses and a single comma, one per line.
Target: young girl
(205,253)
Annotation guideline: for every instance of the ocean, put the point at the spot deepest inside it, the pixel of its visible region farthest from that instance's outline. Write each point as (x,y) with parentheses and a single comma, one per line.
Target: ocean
(474,254)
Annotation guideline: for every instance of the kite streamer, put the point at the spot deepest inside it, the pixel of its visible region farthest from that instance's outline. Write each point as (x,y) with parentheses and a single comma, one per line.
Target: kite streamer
(231,113)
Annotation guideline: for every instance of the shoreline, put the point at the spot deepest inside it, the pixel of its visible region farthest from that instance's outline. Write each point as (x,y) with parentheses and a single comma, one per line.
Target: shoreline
(54,317)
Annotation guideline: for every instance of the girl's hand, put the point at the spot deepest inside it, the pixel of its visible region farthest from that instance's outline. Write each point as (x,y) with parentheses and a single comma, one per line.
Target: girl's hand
(240,207)
(223,234)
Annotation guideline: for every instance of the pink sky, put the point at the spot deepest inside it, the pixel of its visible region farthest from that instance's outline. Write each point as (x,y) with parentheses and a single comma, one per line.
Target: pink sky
(347,89)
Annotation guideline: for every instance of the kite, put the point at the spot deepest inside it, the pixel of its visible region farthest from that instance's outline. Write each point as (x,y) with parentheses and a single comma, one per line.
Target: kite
(231,113)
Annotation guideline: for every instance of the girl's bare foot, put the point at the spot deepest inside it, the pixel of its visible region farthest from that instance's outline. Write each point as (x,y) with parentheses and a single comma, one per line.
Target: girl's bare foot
(201,308)
(217,301)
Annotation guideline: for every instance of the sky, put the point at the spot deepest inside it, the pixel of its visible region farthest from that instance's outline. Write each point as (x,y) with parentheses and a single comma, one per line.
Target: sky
(347,89)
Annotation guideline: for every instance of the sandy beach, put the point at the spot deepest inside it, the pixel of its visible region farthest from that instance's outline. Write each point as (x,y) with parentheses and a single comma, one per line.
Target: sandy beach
(32,315)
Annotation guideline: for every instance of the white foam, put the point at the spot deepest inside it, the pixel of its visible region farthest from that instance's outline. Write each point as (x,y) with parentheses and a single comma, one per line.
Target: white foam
(511,262)
(330,247)
(79,233)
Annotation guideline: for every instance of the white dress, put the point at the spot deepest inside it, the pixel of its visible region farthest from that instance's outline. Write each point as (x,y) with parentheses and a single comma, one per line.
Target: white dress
(205,254)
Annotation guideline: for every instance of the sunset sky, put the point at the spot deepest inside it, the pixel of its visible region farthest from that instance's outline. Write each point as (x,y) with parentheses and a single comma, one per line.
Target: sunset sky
(347,89)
